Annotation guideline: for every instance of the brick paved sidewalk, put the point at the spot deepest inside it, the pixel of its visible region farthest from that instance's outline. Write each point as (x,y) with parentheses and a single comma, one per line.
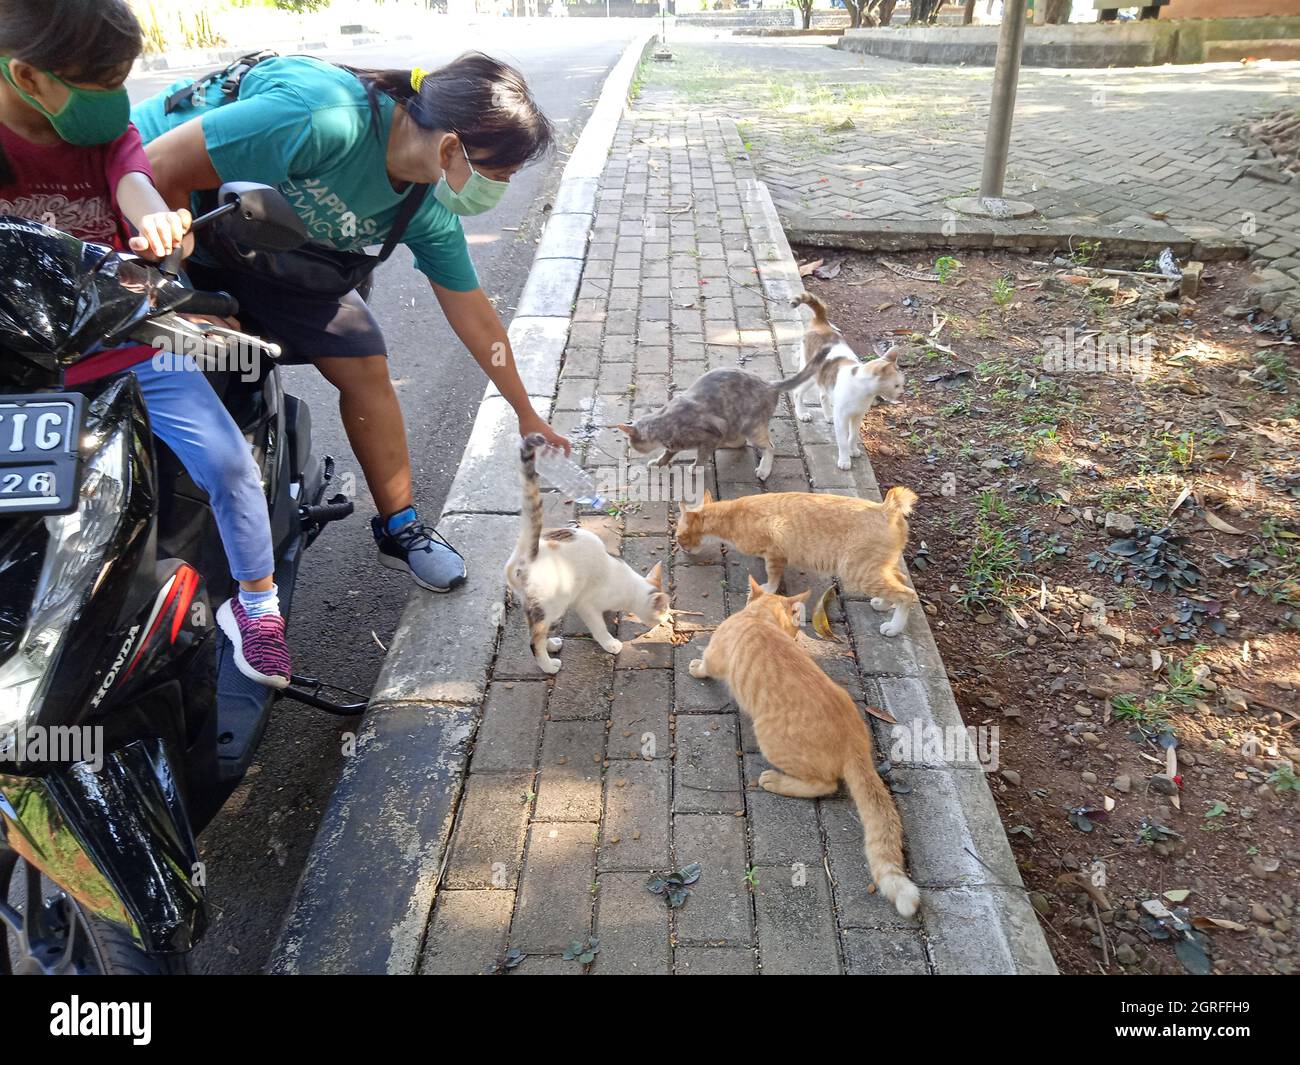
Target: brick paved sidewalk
(1104,147)
(581,786)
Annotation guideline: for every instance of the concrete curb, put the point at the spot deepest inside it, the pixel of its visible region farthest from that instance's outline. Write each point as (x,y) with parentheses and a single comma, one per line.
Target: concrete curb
(1145,240)
(369,882)
(958,851)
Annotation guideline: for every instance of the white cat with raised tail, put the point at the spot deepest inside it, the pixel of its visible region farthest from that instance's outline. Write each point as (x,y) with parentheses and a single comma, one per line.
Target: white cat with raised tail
(569,569)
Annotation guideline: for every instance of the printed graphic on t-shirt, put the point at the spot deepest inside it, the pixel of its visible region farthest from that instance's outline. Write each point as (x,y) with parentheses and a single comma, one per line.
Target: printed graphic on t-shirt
(88,217)
(327,216)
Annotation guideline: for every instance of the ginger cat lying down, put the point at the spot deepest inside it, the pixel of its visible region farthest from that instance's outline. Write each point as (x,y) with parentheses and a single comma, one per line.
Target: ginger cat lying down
(857,540)
(807,726)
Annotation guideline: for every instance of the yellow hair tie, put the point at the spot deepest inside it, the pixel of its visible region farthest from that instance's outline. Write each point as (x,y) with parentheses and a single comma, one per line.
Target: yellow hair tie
(417,78)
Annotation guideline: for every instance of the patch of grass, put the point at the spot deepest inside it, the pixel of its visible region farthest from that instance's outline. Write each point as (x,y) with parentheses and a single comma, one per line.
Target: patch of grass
(1183,449)
(945,266)
(1003,291)
(800,110)
(991,570)
(991,506)
(1085,252)
(1284,779)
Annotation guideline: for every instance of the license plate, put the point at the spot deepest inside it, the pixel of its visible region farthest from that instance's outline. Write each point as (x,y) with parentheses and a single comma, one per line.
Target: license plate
(38,452)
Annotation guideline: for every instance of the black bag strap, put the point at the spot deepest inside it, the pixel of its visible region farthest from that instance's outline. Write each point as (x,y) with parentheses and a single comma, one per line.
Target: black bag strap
(229,77)
(410,204)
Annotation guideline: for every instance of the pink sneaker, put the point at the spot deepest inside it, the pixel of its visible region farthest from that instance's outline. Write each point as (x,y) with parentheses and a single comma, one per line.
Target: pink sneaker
(261,653)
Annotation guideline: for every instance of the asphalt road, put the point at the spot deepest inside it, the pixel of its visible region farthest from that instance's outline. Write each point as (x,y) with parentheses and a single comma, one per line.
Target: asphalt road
(347,606)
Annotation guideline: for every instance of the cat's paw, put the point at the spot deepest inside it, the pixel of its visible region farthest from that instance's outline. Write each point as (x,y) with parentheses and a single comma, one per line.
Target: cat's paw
(550,665)
(889,628)
(856,452)
(844,464)
(696,669)
(554,644)
(768,780)
(761,473)
(879,604)
(805,415)
(613,647)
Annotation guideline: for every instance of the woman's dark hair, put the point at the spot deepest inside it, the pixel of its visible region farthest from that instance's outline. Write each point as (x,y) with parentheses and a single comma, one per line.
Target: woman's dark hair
(485,102)
(89,41)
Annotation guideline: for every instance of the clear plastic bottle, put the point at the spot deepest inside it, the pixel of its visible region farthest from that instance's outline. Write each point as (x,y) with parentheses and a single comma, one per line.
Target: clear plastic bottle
(557,470)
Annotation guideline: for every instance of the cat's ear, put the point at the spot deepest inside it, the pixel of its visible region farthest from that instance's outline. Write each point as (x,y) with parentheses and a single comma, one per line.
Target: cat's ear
(706,499)
(892,355)
(627,429)
(656,576)
(755,589)
(798,607)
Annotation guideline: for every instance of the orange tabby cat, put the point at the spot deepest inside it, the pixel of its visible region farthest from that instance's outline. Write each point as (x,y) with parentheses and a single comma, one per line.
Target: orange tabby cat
(857,540)
(807,726)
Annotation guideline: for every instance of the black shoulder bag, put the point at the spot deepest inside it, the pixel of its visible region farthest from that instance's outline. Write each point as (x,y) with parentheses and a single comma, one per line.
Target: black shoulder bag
(315,268)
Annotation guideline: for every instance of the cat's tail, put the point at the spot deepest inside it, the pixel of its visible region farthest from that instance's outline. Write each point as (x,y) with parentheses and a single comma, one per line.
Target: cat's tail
(806,374)
(530,511)
(815,305)
(899,501)
(882,831)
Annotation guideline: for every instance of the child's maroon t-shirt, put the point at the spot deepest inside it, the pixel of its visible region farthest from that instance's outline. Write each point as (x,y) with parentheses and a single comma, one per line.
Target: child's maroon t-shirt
(74,188)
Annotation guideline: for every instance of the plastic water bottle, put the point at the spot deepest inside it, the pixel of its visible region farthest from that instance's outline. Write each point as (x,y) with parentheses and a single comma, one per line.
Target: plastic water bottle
(561,472)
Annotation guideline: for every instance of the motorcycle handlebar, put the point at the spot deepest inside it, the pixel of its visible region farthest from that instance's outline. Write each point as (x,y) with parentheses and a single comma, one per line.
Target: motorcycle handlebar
(217,304)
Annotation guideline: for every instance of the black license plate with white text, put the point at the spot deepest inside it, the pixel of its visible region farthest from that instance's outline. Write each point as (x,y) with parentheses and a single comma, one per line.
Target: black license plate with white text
(39,437)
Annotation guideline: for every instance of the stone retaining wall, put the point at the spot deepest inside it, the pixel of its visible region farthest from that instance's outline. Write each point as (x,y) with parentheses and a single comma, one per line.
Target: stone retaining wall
(1131,44)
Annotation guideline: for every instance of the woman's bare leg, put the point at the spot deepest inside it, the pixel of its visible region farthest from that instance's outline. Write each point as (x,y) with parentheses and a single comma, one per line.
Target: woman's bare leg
(372,418)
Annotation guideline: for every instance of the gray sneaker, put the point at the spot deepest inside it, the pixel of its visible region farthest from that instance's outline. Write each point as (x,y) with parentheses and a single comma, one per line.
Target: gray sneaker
(422,552)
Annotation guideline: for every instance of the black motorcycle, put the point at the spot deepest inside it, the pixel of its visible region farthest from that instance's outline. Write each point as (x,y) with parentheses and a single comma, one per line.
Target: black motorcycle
(124,723)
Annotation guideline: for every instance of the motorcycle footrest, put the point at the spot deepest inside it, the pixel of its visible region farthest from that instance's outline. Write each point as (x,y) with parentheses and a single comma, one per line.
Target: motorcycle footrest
(308,690)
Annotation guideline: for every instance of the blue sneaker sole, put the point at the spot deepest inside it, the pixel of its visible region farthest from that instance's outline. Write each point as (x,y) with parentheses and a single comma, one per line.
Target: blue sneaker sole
(389,562)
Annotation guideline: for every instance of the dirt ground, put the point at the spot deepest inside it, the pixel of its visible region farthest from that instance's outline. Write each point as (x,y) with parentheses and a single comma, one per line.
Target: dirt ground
(1145,676)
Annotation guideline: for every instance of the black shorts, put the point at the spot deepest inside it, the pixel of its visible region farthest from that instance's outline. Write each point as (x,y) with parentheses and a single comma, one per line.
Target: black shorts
(306,325)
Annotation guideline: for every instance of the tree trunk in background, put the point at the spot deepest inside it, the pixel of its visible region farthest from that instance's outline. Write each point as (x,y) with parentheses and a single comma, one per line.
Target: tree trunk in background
(1057,11)
(879,12)
(805,8)
(968,16)
(854,8)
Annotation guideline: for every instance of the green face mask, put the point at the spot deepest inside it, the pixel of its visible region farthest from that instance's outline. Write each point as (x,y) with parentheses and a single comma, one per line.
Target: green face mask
(478,195)
(91,116)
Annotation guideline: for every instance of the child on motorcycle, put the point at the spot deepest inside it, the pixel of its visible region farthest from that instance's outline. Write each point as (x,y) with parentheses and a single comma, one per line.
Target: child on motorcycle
(70,158)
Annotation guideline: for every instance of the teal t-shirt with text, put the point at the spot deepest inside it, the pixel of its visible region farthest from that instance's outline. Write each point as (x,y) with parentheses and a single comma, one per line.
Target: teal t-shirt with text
(306,127)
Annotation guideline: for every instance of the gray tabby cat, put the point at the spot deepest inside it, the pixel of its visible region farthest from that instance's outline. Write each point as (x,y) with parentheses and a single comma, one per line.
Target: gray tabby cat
(724,408)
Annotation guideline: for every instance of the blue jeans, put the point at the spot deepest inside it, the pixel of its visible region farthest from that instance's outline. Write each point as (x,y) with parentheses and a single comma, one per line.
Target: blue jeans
(189,418)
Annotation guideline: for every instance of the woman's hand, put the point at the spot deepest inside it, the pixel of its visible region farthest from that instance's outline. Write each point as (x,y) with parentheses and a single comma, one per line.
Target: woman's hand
(161,232)
(535,423)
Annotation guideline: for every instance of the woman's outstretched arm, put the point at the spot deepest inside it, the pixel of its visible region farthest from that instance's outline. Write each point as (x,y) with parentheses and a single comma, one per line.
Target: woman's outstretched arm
(480,329)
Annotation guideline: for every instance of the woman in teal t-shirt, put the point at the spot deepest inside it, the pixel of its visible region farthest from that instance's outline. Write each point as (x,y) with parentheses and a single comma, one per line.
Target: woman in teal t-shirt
(344,146)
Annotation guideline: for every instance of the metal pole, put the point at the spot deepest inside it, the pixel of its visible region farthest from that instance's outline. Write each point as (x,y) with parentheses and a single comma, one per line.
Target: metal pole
(1005,76)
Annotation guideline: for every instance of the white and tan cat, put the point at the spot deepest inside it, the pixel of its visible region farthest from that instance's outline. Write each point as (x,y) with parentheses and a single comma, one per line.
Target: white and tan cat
(849,387)
(807,726)
(569,569)
(857,540)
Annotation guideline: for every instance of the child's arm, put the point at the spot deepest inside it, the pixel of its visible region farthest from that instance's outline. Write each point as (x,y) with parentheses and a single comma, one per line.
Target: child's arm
(160,229)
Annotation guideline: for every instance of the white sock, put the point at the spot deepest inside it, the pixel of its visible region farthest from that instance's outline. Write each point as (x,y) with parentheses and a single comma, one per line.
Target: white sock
(260,604)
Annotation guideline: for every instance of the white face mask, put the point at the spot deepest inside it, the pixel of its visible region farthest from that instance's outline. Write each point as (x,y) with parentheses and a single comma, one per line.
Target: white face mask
(477,195)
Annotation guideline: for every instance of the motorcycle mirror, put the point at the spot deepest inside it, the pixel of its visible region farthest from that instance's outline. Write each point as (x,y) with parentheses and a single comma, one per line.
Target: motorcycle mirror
(262,218)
